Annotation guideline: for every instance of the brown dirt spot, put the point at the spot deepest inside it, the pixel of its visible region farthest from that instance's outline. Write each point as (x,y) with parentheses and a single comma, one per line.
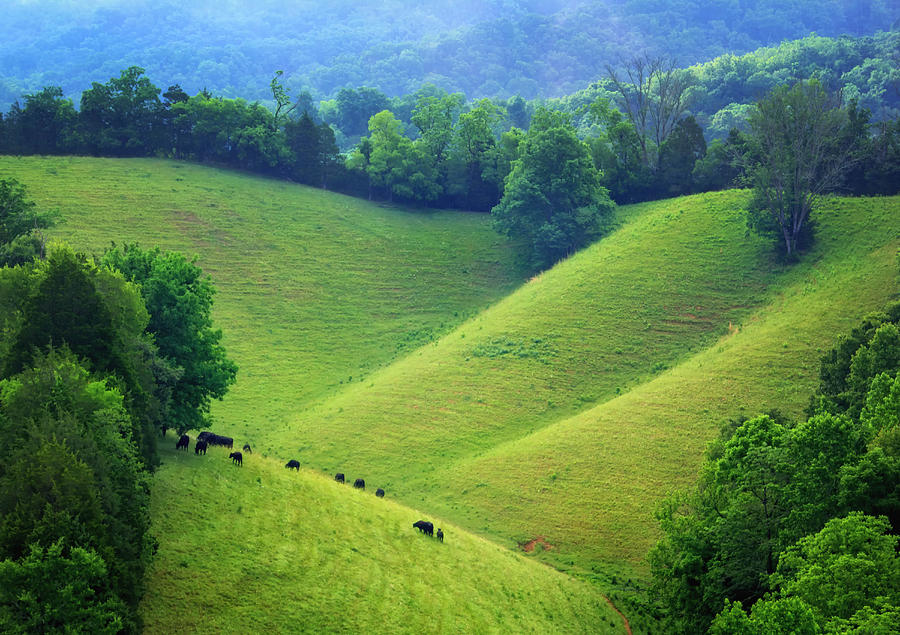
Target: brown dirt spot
(528,547)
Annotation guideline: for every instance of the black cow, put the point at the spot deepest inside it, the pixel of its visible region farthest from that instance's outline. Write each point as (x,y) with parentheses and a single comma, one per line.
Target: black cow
(359,484)
(200,447)
(379,493)
(246,448)
(425,527)
(440,534)
(215,439)
(339,477)
(293,464)
(236,458)
(183,442)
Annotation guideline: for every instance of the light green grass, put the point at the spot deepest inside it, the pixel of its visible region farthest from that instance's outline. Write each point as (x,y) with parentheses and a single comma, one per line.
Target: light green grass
(552,413)
(265,549)
(315,290)
(386,344)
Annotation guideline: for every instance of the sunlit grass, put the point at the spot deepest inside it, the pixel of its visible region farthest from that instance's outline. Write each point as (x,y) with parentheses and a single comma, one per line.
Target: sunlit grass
(389,344)
(264,549)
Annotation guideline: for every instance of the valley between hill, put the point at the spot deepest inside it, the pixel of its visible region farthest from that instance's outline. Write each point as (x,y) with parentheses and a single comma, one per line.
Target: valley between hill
(408,348)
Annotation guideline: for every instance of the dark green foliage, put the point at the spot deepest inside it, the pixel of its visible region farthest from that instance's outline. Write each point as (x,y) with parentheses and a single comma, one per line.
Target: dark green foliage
(553,200)
(802,146)
(33,600)
(65,308)
(21,238)
(718,170)
(179,300)
(46,124)
(120,117)
(677,156)
(768,484)
(835,392)
(70,473)
(66,300)
(313,148)
(843,578)
(355,107)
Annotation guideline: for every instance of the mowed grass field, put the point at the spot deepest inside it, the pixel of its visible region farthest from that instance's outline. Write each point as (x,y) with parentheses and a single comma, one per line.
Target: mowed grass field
(408,349)
(264,549)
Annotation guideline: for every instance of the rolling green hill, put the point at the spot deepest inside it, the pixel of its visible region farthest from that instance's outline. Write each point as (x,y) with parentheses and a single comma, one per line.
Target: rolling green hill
(265,549)
(571,407)
(406,348)
(351,285)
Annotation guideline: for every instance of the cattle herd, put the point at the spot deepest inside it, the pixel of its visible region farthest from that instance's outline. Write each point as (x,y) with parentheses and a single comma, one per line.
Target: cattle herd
(205,439)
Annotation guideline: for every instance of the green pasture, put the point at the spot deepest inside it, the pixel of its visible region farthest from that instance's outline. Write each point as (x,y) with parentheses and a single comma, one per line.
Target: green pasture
(315,289)
(408,348)
(569,409)
(261,548)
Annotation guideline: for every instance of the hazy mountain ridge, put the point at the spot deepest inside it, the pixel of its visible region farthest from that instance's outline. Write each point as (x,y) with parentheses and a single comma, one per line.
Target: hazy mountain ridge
(500,48)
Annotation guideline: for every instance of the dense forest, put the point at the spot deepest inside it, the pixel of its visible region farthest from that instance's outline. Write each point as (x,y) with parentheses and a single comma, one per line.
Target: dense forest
(500,48)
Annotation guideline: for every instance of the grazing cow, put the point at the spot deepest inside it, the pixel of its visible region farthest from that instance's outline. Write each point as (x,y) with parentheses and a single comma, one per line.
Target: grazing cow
(236,458)
(247,448)
(183,442)
(359,484)
(339,477)
(226,442)
(215,439)
(440,534)
(425,527)
(379,493)
(200,447)
(293,464)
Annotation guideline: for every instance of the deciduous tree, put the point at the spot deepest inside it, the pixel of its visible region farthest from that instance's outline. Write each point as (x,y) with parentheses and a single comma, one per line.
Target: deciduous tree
(801,152)
(553,200)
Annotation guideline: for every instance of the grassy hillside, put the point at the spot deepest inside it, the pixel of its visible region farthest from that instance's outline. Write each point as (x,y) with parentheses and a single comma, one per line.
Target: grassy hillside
(265,549)
(315,290)
(568,409)
(390,344)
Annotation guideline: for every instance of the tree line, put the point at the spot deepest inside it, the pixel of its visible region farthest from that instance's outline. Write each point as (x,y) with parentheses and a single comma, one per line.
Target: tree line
(793,525)
(635,141)
(97,355)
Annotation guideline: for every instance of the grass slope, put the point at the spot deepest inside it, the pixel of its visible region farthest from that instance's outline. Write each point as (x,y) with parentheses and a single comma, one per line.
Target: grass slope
(551,414)
(314,289)
(565,410)
(265,549)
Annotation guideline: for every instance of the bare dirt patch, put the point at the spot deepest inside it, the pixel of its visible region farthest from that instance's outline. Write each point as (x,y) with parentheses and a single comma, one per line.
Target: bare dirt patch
(529,546)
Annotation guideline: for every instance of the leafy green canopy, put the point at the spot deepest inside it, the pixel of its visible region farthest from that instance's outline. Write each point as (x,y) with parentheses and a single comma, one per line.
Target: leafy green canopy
(20,224)
(66,300)
(179,301)
(553,200)
(32,600)
(71,483)
(802,146)
(768,485)
(845,578)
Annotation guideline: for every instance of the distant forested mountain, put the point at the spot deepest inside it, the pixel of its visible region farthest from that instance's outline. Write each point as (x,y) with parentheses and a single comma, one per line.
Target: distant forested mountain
(484,48)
